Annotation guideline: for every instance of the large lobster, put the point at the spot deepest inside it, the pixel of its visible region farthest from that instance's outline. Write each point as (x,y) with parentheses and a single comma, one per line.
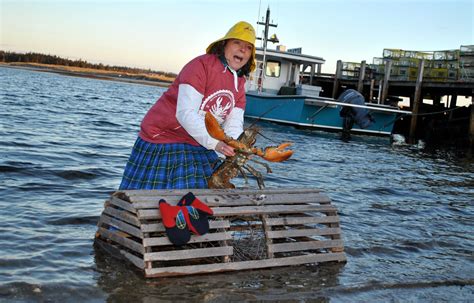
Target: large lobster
(244,149)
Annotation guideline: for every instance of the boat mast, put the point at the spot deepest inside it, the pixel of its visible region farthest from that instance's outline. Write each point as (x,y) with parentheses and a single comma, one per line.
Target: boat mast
(265,40)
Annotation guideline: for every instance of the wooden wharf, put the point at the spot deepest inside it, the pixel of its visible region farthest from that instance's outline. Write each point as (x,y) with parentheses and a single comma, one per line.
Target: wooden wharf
(433,90)
(250,229)
(390,91)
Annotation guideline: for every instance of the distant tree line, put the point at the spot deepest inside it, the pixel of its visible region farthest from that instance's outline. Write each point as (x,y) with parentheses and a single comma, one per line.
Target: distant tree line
(55,60)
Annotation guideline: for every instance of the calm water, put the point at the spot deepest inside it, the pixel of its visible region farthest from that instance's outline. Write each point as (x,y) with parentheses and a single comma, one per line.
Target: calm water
(407,214)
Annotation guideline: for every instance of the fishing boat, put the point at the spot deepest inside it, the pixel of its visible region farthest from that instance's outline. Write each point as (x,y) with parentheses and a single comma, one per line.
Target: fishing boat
(275,93)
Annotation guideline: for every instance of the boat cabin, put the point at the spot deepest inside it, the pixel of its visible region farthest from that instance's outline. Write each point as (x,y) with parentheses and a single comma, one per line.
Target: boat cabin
(278,72)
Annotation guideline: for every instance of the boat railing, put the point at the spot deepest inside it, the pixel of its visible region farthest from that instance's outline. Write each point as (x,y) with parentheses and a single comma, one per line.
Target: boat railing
(373,107)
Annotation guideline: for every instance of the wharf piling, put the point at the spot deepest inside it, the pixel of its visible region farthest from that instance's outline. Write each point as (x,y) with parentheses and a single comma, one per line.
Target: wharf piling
(416,103)
(388,70)
(360,84)
(336,79)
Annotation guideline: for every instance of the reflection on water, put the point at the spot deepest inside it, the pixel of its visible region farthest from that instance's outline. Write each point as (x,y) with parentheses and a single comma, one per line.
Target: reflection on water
(406,213)
(302,282)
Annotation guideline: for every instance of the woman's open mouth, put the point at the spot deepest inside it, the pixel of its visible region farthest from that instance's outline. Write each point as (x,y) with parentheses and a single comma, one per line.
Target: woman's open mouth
(238,59)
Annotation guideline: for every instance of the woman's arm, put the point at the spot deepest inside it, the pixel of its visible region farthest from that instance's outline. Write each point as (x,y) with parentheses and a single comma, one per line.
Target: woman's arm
(187,114)
(234,124)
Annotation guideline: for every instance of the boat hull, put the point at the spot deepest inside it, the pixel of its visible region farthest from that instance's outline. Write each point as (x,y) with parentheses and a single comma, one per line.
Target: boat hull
(312,112)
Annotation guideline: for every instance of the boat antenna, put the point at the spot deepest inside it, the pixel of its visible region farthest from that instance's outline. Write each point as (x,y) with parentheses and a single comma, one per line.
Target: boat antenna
(258,17)
(265,39)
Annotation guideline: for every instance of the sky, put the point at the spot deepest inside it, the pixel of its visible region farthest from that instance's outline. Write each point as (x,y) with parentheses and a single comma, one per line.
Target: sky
(164,35)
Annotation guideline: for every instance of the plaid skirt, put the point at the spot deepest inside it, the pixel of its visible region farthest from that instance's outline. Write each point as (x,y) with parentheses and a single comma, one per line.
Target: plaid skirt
(168,166)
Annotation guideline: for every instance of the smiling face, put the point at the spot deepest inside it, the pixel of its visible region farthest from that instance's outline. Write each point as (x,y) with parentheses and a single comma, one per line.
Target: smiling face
(237,53)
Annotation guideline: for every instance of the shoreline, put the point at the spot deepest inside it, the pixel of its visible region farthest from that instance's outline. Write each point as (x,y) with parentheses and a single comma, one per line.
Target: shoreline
(83,74)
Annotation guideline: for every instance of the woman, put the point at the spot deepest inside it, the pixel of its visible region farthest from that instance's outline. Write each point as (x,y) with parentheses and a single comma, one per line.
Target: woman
(173,149)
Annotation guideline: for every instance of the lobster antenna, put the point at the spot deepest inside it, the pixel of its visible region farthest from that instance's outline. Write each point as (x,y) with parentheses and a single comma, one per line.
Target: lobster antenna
(260,117)
(269,139)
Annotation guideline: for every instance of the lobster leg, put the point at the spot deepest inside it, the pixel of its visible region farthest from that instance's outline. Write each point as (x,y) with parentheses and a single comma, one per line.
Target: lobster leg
(267,167)
(258,175)
(244,175)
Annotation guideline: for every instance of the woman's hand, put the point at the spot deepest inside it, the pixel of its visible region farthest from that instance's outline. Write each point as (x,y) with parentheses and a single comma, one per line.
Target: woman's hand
(225,149)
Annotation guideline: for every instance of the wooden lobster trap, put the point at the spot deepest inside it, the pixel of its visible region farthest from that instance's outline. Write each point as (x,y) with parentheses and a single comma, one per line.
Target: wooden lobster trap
(250,229)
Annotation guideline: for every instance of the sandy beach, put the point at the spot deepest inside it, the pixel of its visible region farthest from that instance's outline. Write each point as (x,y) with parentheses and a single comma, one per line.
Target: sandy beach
(146,79)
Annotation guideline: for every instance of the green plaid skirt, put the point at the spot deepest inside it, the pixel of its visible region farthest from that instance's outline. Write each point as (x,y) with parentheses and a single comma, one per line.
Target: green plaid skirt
(168,166)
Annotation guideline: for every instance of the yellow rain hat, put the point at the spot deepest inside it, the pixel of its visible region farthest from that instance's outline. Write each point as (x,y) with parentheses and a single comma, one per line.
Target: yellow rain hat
(242,31)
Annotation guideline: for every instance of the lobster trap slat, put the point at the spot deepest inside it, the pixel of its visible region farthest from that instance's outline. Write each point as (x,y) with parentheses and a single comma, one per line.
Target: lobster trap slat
(115,250)
(161,241)
(158,227)
(122,215)
(245,265)
(294,233)
(127,228)
(121,238)
(250,229)
(137,195)
(298,246)
(302,220)
(189,254)
(150,214)
(122,204)
(143,202)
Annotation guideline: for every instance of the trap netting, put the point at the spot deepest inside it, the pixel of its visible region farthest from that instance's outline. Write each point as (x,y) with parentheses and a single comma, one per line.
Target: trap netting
(248,239)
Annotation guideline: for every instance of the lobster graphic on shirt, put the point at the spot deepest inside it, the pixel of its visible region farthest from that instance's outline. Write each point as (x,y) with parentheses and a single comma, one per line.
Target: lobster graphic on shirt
(219,103)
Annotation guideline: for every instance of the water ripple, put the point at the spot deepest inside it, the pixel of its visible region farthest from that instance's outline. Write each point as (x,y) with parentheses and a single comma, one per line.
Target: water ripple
(406,213)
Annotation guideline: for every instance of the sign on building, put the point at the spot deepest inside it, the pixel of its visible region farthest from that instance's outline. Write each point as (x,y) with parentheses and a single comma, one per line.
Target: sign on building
(295,50)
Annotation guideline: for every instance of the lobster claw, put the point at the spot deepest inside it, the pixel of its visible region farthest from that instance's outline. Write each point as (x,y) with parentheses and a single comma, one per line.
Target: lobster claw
(276,154)
(215,130)
(213,127)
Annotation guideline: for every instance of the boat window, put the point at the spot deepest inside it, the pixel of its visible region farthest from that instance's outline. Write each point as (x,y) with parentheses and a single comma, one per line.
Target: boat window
(273,69)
